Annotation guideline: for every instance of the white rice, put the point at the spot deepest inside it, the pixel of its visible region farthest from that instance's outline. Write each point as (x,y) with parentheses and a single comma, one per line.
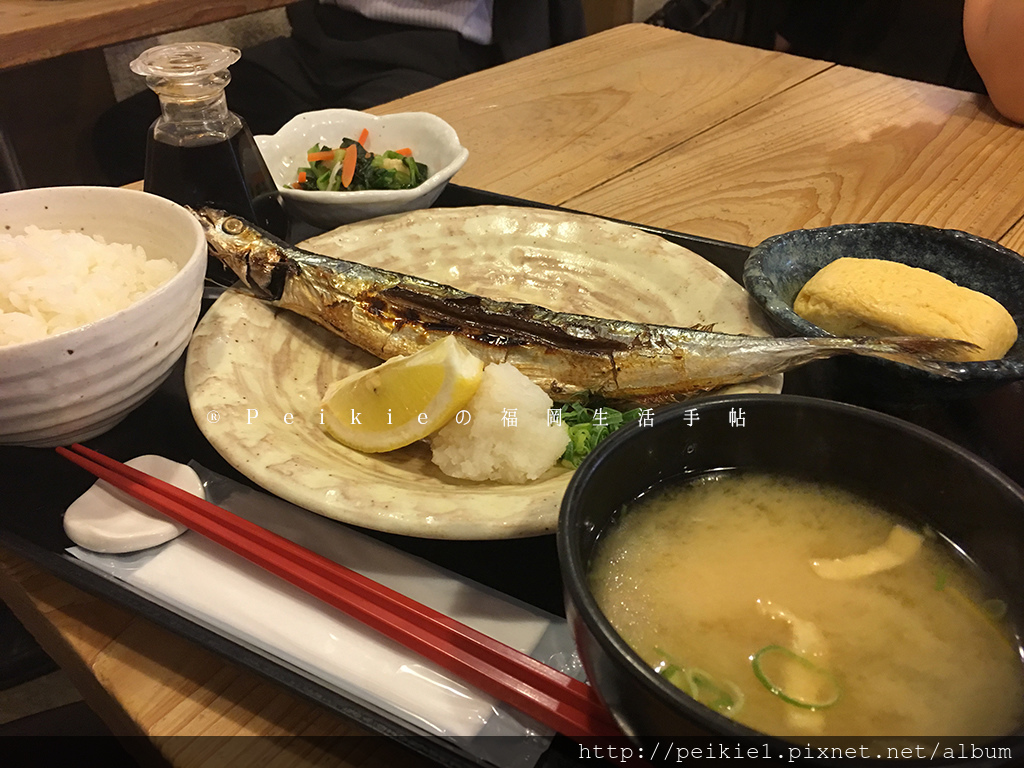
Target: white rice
(490,447)
(53,281)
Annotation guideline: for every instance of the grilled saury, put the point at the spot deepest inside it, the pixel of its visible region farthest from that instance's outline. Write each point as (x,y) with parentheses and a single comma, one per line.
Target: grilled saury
(388,314)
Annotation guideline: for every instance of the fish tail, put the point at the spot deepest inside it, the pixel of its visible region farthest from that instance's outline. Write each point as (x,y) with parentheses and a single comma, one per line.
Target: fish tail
(921,352)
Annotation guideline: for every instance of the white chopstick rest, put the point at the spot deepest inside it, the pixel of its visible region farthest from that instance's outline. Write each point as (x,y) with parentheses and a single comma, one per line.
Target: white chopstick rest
(103,519)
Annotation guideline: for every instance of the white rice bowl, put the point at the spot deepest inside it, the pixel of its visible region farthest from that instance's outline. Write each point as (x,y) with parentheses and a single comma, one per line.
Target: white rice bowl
(508,438)
(52,281)
(77,383)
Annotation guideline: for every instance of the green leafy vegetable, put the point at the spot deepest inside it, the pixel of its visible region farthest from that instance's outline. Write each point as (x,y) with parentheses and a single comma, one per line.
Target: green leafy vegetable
(589,426)
(387,170)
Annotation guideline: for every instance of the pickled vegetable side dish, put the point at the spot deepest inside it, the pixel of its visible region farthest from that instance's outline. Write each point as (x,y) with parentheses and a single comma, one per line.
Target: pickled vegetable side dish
(350,167)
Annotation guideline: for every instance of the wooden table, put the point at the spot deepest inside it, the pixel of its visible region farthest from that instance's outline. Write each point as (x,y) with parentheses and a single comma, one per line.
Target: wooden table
(636,123)
(34,30)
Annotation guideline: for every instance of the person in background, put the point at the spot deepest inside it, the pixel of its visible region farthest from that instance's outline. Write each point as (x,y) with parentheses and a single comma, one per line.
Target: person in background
(972,45)
(354,54)
(913,39)
(994,35)
(360,53)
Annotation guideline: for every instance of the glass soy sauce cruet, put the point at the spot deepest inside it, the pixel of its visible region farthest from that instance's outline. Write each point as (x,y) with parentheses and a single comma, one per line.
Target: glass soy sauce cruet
(198,151)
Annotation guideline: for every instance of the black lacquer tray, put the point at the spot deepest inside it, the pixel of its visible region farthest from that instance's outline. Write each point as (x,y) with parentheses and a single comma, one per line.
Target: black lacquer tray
(36,485)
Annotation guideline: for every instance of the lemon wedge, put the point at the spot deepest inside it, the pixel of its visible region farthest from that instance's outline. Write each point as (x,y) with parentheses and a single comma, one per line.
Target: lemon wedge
(403,400)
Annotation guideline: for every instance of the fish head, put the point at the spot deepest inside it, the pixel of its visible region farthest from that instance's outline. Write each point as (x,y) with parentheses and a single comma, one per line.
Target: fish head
(257,258)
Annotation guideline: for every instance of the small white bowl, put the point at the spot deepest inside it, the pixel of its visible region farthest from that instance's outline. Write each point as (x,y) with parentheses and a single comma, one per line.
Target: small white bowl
(432,140)
(78,384)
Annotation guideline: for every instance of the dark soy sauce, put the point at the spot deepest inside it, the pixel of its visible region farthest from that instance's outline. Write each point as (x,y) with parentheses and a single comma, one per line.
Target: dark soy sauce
(228,174)
(199,152)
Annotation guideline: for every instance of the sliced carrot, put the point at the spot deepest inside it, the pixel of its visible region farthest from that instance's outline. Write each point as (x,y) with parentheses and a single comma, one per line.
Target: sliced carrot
(302,177)
(317,157)
(348,165)
(364,136)
(404,151)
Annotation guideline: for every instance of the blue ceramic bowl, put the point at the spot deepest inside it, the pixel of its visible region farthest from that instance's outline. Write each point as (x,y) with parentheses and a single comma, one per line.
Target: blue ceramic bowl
(778,268)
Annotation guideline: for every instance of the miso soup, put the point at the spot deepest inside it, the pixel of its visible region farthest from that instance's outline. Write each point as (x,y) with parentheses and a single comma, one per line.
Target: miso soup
(802,610)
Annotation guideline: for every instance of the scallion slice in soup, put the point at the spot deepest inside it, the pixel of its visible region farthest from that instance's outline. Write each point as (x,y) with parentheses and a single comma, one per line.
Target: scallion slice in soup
(795,679)
(721,695)
(698,576)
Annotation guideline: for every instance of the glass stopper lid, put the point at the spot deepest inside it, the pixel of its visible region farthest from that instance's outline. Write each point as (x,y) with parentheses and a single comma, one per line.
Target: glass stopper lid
(185,60)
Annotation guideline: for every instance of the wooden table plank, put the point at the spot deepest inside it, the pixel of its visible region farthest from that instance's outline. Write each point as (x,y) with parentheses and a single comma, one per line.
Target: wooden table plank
(34,30)
(143,680)
(882,149)
(628,95)
(1015,238)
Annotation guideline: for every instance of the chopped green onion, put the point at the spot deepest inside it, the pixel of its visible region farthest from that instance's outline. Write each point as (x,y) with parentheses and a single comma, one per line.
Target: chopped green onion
(995,609)
(709,691)
(771,655)
(666,659)
(587,428)
(725,697)
(940,581)
(668,671)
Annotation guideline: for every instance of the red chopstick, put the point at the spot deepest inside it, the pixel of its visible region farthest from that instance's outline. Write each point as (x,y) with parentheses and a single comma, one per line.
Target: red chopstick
(554,699)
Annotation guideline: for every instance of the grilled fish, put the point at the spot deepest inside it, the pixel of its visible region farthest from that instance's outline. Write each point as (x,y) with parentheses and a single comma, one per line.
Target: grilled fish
(568,355)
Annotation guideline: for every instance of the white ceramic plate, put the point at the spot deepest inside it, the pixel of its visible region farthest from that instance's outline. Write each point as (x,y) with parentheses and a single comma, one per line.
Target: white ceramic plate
(431,139)
(255,375)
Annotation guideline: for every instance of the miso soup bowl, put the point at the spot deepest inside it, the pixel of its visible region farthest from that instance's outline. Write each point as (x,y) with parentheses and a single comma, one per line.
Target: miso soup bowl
(905,469)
